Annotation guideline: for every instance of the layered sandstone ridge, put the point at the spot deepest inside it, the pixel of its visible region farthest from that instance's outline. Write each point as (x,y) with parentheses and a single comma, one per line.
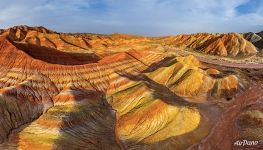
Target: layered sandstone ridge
(96,46)
(230,44)
(124,98)
(30,87)
(255,38)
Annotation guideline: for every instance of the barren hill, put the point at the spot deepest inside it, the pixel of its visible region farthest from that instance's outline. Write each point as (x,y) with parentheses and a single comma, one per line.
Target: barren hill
(231,44)
(255,38)
(88,91)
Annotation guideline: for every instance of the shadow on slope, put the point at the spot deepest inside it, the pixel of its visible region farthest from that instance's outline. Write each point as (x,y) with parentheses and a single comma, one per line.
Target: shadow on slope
(89,123)
(54,56)
(160,91)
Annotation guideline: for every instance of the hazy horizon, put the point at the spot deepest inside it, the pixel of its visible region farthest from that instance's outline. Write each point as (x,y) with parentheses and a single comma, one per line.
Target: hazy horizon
(145,17)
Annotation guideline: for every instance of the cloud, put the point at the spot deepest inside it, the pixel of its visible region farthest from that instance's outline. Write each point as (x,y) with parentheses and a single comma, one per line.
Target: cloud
(148,17)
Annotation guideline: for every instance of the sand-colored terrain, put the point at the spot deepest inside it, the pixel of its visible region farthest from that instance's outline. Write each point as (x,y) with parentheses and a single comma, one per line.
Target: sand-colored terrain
(90,91)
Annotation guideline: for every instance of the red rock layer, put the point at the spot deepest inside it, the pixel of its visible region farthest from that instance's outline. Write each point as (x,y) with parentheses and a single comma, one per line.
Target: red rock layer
(231,44)
(94,44)
(97,46)
(28,85)
(118,99)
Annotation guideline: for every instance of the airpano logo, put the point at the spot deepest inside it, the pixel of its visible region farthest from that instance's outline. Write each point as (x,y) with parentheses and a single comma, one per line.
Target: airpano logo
(246,143)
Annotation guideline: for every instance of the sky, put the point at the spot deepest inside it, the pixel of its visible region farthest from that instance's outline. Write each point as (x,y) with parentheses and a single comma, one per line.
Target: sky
(143,17)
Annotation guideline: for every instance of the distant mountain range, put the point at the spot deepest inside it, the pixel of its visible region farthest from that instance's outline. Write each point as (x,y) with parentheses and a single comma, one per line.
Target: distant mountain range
(98,45)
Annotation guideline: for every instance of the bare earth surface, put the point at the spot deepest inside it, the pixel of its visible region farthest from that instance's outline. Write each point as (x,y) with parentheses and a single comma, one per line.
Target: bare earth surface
(226,62)
(64,91)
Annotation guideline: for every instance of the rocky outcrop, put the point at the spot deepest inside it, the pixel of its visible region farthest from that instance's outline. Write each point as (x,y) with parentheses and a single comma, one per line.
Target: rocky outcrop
(252,37)
(255,38)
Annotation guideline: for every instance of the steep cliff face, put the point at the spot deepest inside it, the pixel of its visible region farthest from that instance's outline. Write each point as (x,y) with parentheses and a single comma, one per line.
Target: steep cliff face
(51,98)
(231,44)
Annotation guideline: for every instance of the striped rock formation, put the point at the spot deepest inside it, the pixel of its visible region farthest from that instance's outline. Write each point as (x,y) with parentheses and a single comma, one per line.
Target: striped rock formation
(255,38)
(95,45)
(32,87)
(134,99)
(231,44)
